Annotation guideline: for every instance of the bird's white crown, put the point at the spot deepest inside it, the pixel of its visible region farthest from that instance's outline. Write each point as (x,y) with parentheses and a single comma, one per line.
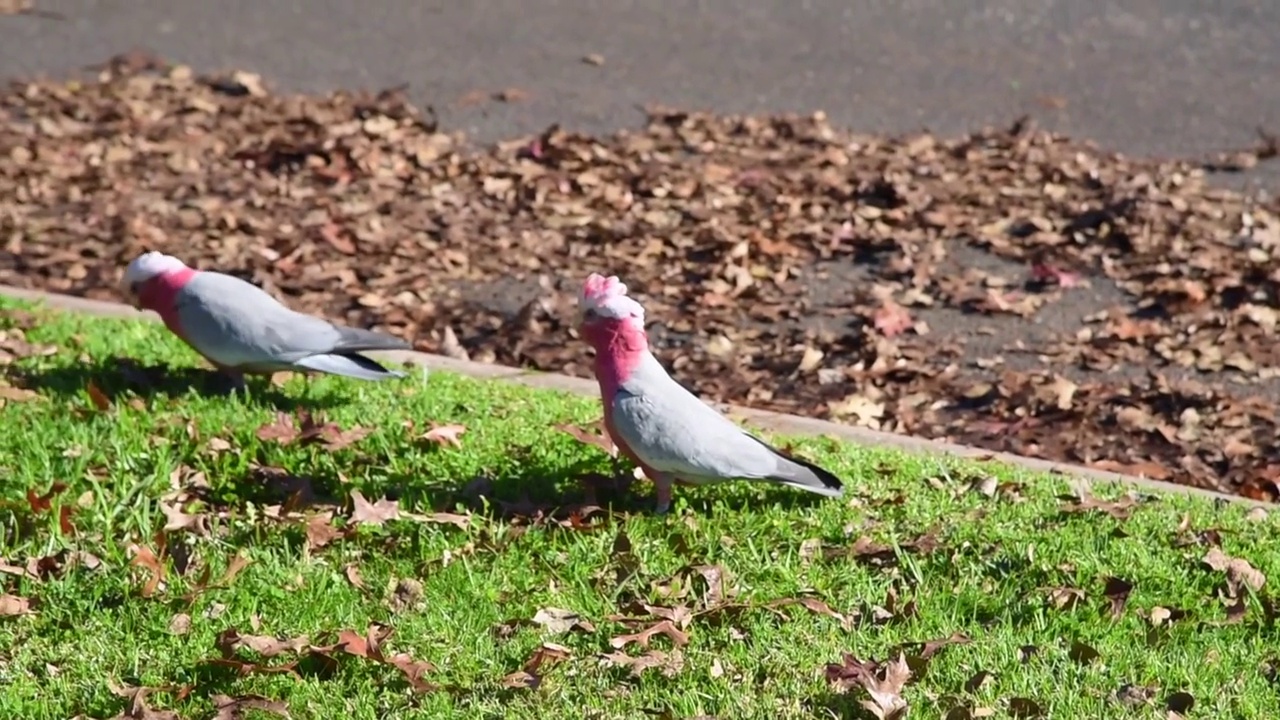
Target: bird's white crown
(150,264)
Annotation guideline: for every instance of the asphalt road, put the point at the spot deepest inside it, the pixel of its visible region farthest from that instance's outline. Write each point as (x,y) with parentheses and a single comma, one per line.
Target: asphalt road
(1165,77)
(1146,76)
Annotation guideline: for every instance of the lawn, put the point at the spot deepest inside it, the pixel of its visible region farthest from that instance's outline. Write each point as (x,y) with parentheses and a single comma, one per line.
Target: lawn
(421,548)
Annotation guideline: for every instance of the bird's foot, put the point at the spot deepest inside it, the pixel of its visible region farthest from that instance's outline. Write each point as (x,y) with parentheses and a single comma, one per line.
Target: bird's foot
(229,383)
(662,489)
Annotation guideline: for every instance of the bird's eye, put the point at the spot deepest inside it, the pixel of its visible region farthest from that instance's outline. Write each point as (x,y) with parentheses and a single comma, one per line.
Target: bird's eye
(590,312)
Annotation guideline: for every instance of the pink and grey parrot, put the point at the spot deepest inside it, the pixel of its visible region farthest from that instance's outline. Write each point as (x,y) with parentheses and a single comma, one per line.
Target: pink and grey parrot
(240,329)
(661,426)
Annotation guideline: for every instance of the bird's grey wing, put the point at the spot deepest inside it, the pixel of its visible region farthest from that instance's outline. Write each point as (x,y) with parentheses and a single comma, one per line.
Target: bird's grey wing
(675,432)
(235,323)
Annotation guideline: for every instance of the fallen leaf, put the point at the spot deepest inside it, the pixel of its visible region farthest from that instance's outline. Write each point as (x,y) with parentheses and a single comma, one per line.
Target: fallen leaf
(353,576)
(44,502)
(17,394)
(320,531)
(1081,653)
(236,708)
(136,707)
(1131,695)
(557,620)
(1179,703)
(404,594)
(1117,592)
(1238,571)
(1119,509)
(668,663)
(230,641)
(891,319)
(529,676)
(144,558)
(281,430)
(238,562)
(666,627)
(598,439)
(1021,707)
(445,434)
(180,624)
(1065,598)
(11,605)
(99,398)
(177,520)
(365,512)
(882,682)
(1050,273)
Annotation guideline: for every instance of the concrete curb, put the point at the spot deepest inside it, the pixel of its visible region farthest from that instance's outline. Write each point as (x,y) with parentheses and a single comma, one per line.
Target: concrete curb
(776,422)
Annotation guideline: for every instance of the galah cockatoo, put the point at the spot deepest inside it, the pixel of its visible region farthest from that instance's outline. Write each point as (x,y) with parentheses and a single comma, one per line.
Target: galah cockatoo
(661,426)
(241,329)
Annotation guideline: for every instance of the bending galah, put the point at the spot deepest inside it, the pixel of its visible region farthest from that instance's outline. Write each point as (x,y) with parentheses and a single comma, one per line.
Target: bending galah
(661,426)
(241,329)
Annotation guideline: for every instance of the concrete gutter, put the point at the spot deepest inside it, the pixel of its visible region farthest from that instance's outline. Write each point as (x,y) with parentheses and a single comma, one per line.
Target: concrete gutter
(775,422)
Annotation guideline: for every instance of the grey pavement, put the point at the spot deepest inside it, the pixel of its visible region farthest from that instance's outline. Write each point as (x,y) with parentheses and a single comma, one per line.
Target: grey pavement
(1169,77)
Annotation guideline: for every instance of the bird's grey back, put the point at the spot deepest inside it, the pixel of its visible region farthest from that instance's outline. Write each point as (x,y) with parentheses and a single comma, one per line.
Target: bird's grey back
(674,431)
(236,323)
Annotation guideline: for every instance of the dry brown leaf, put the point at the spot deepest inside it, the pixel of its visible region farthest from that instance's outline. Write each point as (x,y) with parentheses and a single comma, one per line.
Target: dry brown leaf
(445,434)
(97,397)
(144,558)
(230,641)
(320,531)
(136,707)
(376,513)
(16,394)
(529,676)
(44,502)
(180,624)
(882,682)
(668,663)
(595,437)
(404,594)
(11,605)
(353,576)
(666,627)
(1117,592)
(236,708)
(1240,574)
(557,620)
(891,319)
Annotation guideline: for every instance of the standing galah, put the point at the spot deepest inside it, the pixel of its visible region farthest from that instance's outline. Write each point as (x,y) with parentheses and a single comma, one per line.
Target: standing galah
(661,426)
(241,329)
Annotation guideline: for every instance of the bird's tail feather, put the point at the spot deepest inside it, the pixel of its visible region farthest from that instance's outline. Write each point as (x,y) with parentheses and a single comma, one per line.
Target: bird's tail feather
(802,474)
(351,365)
(357,339)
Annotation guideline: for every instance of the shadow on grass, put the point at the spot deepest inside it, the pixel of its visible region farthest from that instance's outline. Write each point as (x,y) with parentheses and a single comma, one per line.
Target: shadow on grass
(116,377)
(541,488)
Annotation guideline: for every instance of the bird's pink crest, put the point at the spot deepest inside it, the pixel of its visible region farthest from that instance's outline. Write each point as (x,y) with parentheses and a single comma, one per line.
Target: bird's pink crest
(607,296)
(599,287)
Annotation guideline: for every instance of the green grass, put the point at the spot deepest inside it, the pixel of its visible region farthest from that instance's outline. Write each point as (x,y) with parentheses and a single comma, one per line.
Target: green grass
(992,575)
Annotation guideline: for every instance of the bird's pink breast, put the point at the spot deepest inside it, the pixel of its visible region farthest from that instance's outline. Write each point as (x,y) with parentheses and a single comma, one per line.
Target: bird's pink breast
(160,294)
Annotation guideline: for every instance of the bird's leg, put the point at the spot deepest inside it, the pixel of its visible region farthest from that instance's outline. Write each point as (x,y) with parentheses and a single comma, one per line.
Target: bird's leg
(236,383)
(662,489)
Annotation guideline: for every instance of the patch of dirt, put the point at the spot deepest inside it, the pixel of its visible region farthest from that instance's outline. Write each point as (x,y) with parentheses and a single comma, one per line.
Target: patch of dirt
(1011,289)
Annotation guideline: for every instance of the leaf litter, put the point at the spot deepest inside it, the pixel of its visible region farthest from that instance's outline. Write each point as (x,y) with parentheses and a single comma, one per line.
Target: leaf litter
(903,277)
(301,654)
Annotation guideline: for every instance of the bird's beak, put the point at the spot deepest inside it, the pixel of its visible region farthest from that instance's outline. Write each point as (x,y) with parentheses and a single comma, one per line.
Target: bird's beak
(131,290)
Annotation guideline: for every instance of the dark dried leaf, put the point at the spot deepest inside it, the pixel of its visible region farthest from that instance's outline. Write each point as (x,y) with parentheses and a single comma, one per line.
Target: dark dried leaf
(1117,592)
(236,708)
